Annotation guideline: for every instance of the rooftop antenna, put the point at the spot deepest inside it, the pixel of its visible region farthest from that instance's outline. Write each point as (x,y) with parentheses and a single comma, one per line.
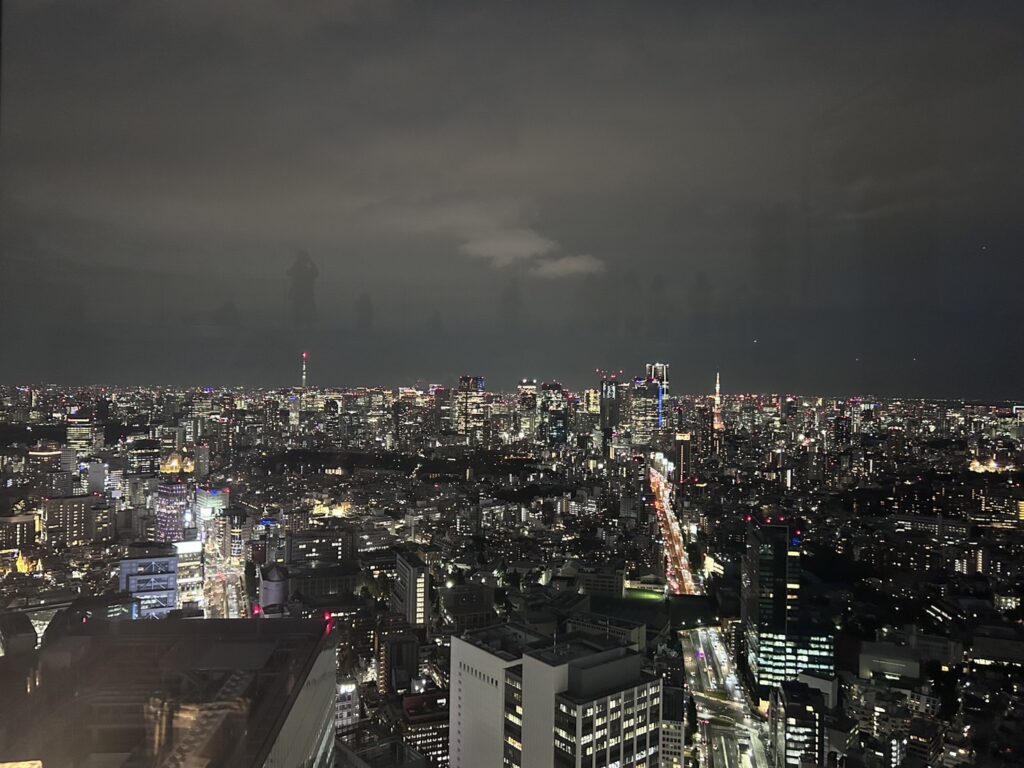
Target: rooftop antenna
(305,357)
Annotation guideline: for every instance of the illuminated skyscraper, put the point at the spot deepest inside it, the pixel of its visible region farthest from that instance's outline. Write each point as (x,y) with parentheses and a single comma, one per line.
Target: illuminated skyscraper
(211,501)
(780,642)
(410,595)
(144,457)
(658,372)
(526,408)
(171,512)
(67,520)
(611,401)
(796,725)
(44,458)
(554,414)
(684,456)
(645,413)
(189,573)
(471,409)
(83,435)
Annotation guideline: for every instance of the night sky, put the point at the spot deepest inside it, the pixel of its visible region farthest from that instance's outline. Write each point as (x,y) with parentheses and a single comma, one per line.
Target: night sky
(813,197)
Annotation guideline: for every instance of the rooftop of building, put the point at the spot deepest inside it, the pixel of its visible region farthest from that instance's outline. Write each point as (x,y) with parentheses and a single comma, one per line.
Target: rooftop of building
(506,641)
(583,649)
(217,670)
(797,693)
(605,620)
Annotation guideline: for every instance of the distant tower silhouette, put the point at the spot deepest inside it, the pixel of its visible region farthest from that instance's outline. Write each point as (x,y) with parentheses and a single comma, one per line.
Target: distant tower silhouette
(510,305)
(364,312)
(305,358)
(302,274)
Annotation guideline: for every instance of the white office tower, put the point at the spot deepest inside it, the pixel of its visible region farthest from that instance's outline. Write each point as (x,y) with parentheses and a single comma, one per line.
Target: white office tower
(410,594)
(190,574)
(522,700)
(346,704)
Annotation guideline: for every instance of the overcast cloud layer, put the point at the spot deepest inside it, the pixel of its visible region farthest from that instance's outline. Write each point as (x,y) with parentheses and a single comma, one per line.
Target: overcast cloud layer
(811,197)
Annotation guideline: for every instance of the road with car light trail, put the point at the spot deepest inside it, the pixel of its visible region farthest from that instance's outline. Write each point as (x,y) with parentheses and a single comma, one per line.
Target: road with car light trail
(729,736)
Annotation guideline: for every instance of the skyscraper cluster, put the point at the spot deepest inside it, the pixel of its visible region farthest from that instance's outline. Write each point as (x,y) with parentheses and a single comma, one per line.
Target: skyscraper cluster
(624,574)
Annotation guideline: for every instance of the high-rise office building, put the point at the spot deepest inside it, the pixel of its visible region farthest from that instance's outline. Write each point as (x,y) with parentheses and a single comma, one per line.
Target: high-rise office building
(397,654)
(410,594)
(526,408)
(779,640)
(796,726)
(521,699)
(593,702)
(57,484)
(149,572)
(470,410)
(346,704)
(173,516)
(202,461)
(66,520)
(232,530)
(83,434)
(658,372)
(646,412)
(144,457)
(189,573)
(554,414)
(423,721)
(43,458)
(685,465)
(610,402)
(210,502)
(17,531)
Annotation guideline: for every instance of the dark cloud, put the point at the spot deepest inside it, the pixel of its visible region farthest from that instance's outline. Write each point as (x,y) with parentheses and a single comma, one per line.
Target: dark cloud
(670,180)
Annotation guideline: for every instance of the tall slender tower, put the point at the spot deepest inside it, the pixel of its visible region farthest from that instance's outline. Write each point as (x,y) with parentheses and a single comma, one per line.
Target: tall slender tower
(305,357)
(719,424)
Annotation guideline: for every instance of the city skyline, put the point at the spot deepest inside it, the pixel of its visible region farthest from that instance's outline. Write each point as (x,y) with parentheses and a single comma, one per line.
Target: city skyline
(508,387)
(605,384)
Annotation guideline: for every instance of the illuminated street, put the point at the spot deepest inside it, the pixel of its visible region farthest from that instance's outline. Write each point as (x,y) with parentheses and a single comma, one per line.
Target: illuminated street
(728,734)
(678,571)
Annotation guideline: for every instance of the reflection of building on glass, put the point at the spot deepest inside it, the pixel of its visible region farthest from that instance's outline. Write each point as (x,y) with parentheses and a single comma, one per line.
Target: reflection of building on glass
(364,313)
(302,275)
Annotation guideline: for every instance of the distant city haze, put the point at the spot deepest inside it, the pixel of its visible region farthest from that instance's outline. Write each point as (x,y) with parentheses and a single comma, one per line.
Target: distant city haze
(819,199)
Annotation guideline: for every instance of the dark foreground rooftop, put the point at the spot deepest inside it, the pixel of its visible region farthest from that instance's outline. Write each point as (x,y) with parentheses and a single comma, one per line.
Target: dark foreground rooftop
(157,693)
